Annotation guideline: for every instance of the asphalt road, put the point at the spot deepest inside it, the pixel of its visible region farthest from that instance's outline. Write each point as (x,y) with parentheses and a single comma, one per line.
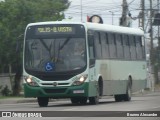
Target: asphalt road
(106,109)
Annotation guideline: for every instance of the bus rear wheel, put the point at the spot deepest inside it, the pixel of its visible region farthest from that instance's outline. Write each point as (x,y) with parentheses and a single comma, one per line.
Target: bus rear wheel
(43,101)
(127,96)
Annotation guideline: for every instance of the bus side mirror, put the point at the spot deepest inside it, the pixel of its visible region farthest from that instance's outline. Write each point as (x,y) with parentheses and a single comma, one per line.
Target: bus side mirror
(19,44)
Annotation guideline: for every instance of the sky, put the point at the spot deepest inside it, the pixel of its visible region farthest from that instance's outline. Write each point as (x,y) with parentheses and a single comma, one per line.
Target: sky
(107,9)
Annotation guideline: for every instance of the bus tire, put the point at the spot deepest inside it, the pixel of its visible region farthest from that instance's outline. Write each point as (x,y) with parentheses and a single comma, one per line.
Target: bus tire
(100,83)
(127,96)
(95,100)
(83,100)
(74,100)
(43,101)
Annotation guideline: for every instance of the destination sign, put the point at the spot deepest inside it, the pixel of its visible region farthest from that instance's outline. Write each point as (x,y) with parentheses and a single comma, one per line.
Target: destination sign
(55,30)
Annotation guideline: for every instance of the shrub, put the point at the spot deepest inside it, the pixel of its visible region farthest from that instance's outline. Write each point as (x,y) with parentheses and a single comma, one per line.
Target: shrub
(5,91)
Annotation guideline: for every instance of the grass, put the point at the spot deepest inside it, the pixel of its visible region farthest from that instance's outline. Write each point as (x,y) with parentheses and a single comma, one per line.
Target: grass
(8,97)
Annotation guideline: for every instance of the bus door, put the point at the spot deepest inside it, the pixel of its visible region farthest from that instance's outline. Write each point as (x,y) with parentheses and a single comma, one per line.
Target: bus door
(92,70)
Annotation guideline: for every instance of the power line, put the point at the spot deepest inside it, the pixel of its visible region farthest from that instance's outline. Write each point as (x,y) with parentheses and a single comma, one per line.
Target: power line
(131,2)
(88,8)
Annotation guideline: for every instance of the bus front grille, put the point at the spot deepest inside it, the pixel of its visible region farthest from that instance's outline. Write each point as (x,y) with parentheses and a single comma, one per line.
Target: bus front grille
(52,84)
(61,90)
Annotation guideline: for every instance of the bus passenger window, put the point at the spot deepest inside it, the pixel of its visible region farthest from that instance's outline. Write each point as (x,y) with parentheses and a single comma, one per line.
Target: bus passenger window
(132,47)
(91,46)
(107,46)
(139,48)
(119,44)
(97,45)
(105,50)
(112,45)
(126,47)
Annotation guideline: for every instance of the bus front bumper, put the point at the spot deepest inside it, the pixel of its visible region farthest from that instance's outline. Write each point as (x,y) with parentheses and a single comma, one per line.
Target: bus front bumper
(56,92)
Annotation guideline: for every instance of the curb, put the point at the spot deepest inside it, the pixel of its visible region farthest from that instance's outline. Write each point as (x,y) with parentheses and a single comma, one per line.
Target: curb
(17,100)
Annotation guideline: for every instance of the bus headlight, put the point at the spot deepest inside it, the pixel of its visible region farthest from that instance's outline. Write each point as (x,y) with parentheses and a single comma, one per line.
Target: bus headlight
(80,80)
(30,81)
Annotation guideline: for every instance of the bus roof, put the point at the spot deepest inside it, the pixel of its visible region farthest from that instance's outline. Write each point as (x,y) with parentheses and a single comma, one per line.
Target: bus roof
(96,26)
(115,29)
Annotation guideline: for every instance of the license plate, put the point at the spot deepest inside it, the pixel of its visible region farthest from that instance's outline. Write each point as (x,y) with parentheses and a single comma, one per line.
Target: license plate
(78,91)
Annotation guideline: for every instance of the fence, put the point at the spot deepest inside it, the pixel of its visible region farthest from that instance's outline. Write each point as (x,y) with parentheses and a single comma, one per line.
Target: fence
(6,80)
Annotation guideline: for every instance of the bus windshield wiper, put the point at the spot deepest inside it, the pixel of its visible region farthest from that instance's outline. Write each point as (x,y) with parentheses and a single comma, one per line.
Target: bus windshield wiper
(60,47)
(47,48)
(65,42)
(44,44)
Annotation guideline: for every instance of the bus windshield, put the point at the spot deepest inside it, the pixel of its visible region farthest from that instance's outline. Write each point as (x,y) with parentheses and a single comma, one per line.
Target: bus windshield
(60,53)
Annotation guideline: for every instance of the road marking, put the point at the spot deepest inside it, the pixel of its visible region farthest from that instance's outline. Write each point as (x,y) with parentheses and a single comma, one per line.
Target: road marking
(69,109)
(8,104)
(156,107)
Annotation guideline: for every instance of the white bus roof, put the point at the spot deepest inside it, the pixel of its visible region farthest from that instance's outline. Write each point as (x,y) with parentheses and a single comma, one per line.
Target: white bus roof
(115,29)
(96,26)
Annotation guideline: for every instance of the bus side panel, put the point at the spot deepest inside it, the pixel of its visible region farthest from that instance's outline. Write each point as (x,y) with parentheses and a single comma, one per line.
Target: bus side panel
(115,74)
(113,87)
(112,79)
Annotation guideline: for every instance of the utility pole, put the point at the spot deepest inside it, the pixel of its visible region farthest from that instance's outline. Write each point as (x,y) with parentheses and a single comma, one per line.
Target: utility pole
(157,81)
(123,19)
(81,11)
(112,16)
(158,25)
(151,32)
(142,15)
(151,48)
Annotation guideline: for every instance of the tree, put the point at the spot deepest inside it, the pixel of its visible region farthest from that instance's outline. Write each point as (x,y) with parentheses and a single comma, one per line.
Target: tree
(14,16)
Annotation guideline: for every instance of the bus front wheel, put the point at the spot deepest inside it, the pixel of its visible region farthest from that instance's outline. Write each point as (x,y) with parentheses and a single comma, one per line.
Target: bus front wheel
(94,100)
(43,101)
(83,100)
(74,100)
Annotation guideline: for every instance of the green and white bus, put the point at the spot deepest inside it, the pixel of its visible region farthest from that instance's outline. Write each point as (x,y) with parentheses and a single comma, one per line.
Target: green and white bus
(82,61)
